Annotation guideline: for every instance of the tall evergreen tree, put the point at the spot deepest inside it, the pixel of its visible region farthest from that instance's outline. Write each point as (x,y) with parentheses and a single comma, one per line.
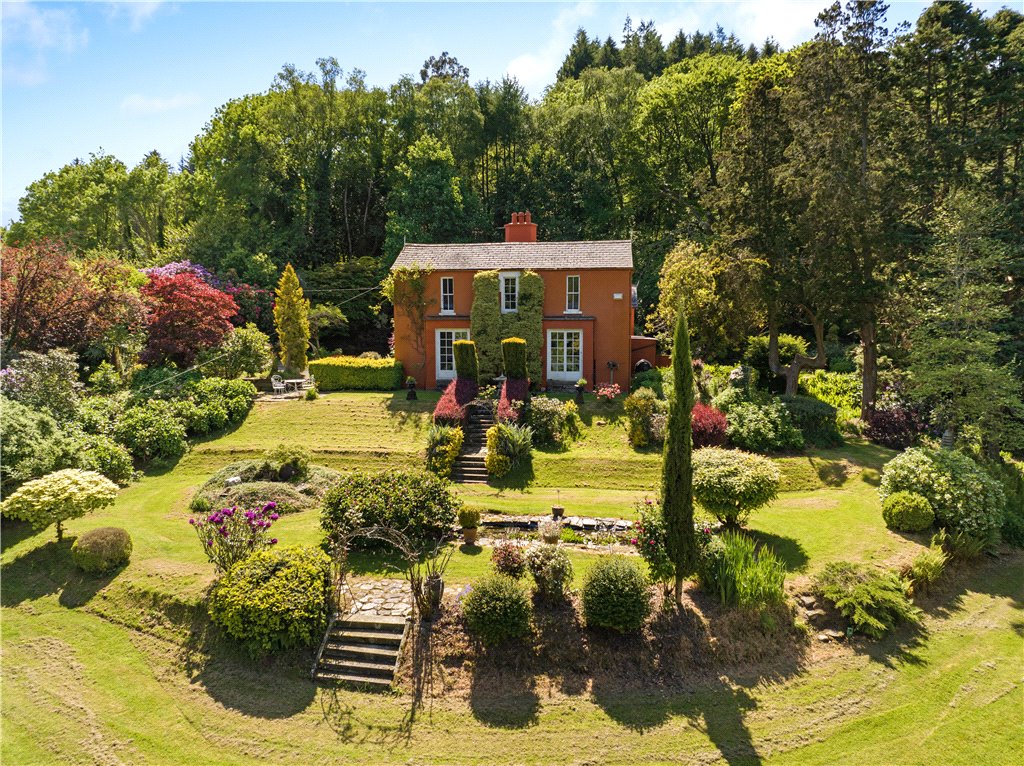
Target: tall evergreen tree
(291,319)
(677,467)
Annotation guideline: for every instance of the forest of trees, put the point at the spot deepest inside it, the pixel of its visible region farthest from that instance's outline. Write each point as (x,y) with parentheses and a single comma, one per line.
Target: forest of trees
(864,186)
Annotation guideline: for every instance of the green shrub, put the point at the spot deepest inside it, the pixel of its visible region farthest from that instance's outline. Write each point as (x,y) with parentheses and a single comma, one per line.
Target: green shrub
(469,518)
(615,595)
(286,497)
(234,396)
(1011,475)
(97,414)
(651,540)
(842,390)
(33,444)
(815,419)
(907,512)
(312,394)
(289,463)
(47,382)
(874,601)
(962,495)
(418,503)
(729,398)
(961,546)
(467,366)
(739,574)
(551,570)
(513,354)
(497,609)
(58,497)
(927,567)
(244,351)
(731,484)
(102,550)
(151,431)
(105,379)
(763,428)
(554,422)
(444,443)
(103,455)
(275,599)
(348,373)
(508,559)
(641,407)
(653,380)
(756,356)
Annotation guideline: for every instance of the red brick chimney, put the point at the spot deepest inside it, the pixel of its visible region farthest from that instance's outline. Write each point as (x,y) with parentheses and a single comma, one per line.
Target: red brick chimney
(521,229)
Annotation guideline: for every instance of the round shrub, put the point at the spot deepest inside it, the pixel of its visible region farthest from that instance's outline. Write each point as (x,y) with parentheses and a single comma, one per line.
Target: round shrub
(962,495)
(497,609)
(275,599)
(907,512)
(416,502)
(150,431)
(104,455)
(615,595)
(731,484)
(509,560)
(102,550)
(763,428)
(551,570)
(708,426)
(97,414)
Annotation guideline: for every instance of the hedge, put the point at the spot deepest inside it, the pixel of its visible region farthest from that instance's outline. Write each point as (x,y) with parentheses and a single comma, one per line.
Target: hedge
(513,353)
(349,373)
(466,365)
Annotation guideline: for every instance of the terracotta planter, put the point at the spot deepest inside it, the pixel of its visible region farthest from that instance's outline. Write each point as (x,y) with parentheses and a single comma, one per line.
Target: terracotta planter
(469,535)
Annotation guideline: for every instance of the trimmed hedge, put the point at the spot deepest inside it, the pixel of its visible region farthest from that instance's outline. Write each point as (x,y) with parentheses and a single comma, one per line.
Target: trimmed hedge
(513,354)
(349,373)
(467,366)
(102,550)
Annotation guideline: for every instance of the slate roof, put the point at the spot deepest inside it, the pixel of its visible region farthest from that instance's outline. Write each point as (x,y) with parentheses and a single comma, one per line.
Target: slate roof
(605,254)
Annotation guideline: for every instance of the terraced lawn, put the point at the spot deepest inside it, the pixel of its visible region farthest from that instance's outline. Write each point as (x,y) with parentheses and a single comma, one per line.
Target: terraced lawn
(124,670)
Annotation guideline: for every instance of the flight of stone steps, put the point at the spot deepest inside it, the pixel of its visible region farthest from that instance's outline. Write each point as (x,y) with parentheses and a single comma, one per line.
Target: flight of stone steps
(470,465)
(362,649)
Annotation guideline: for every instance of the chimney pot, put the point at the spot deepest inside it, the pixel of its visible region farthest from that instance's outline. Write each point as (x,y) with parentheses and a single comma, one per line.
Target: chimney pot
(528,217)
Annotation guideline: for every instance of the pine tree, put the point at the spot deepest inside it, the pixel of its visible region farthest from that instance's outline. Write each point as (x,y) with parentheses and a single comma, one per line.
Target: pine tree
(291,319)
(677,467)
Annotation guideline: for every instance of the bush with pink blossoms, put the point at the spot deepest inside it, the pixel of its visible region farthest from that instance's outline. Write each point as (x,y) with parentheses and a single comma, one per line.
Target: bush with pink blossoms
(607,391)
(232,534)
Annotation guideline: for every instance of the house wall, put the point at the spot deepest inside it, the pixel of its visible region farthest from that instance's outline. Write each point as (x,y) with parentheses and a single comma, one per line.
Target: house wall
(605,322)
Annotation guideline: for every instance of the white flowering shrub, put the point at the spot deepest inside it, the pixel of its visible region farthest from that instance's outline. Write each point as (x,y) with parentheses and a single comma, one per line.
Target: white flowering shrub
(964,497)
(58,497)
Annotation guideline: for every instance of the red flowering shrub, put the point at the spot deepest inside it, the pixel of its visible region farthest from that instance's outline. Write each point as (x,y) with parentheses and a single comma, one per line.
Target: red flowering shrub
(186,316)
(509,559)
(607,391)
(708,426)
(450,409)
(512,390)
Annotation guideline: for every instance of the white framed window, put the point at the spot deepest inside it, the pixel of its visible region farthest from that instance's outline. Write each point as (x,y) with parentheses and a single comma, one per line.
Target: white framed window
(447,295)
(509,291)
(572,294)
(565,354)
(445,351)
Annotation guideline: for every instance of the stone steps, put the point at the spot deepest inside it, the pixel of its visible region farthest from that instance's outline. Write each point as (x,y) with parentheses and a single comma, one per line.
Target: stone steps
(470,466)
(362,649)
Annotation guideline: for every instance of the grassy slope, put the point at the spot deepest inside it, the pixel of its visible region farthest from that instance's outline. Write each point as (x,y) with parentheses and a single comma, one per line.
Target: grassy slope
(123,696)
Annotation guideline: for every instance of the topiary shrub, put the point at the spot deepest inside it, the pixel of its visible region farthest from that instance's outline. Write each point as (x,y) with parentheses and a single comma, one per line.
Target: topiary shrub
(731,484)
(509,560)
(551,570)
(615,595)
(467,366)
(151,431)
(275,599)
(756,356)
(58,497)
(496,610)
(815,419)
(962,495)
(102,550)
(444,443)
(873,601)
(763,428)
(907,512)
(708,426)
(513,355)
(418,503)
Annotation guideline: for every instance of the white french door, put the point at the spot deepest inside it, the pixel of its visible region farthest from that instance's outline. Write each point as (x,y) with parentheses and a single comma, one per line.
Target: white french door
(445,351)
(565,355)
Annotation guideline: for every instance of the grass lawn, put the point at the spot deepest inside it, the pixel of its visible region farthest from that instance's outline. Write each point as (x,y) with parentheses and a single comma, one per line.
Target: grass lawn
(115,670)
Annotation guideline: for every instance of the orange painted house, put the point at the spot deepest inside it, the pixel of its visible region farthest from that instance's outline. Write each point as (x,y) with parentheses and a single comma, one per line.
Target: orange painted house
(587,311)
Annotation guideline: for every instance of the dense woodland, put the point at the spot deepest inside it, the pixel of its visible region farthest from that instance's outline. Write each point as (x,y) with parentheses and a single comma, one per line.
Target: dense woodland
(862,190)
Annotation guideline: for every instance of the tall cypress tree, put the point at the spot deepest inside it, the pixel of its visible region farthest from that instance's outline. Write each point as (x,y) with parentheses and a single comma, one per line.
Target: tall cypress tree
(291,319)
(677,466)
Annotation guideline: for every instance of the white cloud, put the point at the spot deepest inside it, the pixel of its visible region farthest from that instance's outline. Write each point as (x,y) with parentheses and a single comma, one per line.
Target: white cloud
(138,12)
(537,70)
(30,32)
(137,105)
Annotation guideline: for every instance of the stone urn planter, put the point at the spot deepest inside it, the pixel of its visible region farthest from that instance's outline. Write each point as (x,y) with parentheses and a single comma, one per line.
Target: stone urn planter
(550,531)
(469,535)
(557,511)
(410,383)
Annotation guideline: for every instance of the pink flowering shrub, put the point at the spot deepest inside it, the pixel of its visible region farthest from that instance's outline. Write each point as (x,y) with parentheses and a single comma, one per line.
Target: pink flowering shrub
(232,534)
(607,391)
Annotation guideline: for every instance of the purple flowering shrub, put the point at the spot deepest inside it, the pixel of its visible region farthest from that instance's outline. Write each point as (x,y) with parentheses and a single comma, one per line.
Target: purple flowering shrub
(179,267)
(232,534)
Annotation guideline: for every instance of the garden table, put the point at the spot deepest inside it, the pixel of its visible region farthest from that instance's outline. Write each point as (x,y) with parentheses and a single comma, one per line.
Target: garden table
(294,382)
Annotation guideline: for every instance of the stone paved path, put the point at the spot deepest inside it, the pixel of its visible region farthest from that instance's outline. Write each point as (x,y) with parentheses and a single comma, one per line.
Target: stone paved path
(376,597)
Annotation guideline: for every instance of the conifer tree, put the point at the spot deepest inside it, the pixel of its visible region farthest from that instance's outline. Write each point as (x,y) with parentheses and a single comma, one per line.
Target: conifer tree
(677,466)
(291,319)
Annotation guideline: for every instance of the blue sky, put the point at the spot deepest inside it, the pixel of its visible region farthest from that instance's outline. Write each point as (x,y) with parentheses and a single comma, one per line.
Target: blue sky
(130,77)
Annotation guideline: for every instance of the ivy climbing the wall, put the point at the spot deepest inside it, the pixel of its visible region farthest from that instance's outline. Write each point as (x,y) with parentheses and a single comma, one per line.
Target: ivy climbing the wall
(488,326)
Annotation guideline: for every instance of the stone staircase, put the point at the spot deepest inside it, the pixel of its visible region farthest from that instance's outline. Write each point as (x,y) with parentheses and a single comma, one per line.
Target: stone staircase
(470,465)
(362,649)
